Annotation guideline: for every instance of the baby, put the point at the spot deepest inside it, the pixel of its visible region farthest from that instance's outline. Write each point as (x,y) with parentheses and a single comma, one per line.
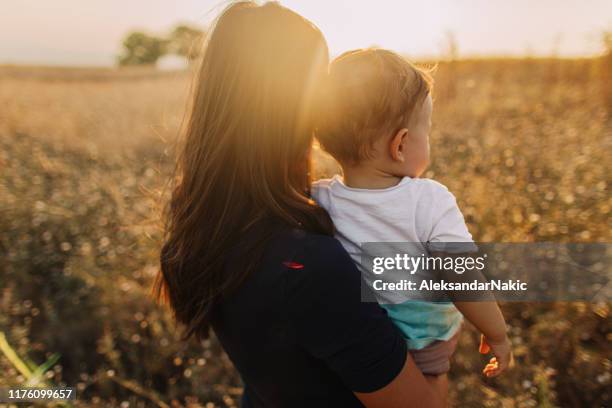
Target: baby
(376,125)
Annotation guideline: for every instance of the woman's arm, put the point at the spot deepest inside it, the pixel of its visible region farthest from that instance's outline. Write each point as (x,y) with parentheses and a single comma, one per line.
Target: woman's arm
(354,338)
(408,389)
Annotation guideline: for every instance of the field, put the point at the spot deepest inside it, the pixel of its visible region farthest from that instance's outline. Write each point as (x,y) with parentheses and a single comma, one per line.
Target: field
(85,155)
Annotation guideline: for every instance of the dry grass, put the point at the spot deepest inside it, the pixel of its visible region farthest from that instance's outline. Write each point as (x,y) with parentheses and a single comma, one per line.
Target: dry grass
(94,107)
(524,145)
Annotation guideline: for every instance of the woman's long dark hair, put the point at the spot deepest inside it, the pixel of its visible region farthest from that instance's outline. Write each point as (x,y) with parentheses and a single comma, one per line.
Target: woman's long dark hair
(244,164)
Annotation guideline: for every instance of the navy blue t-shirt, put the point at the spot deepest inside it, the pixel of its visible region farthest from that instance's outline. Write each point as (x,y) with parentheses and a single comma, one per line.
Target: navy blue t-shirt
(298,332)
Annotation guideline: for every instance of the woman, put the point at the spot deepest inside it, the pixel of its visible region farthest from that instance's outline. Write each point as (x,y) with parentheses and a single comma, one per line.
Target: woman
(248,254)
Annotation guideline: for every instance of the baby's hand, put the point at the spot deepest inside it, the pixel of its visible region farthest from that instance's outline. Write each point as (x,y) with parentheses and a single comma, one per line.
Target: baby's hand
(503,356)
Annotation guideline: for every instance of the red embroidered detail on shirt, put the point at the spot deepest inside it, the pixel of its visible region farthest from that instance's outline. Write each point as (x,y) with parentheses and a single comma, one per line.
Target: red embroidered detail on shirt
(293,265)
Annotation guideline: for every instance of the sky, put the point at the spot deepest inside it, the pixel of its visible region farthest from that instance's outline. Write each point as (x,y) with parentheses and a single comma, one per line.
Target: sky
(78,32)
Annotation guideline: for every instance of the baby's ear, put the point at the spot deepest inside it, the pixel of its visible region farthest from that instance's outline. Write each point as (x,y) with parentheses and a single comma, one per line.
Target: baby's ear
(396,146)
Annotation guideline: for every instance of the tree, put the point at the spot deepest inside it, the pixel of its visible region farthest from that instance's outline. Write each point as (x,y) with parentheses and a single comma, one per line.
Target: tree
(186,41)
(142,49)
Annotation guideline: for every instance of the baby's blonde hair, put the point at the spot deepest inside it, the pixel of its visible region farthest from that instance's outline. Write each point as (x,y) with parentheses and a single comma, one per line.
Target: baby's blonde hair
(371,93)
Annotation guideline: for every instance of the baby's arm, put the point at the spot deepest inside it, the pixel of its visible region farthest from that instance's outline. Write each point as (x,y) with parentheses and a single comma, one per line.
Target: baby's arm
(448,226)
(482,311)
(487,317)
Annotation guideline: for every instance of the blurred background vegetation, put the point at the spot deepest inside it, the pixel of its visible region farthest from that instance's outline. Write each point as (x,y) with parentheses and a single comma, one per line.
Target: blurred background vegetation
(140,48)
(85,154)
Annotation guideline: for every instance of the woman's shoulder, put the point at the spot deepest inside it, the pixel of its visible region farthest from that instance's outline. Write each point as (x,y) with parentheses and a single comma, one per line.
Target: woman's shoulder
(305,262)
(309,247)
(322,299)
(316,266)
